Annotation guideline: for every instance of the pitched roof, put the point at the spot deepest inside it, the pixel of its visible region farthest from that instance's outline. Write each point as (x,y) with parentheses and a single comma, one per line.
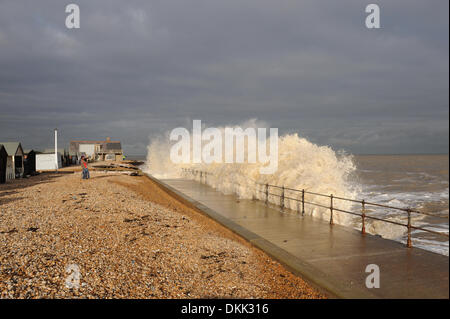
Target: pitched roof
(11,147)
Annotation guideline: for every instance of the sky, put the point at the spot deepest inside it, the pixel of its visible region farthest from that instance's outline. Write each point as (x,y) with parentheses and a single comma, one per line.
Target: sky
(137,69)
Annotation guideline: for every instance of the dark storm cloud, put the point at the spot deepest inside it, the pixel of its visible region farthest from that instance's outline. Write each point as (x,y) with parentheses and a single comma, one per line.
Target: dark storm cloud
(138,68)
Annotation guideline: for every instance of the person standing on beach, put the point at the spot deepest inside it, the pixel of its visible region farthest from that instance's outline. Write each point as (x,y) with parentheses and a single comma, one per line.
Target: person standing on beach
(84,167)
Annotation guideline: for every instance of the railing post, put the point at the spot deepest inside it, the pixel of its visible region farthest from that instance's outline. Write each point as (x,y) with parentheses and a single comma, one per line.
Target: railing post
(267,193)
(408,243)
(331,209)
(363,215)
(193,173)
(303,202)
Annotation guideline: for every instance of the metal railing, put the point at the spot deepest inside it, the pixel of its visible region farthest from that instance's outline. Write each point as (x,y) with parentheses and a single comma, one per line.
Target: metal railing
(333,208)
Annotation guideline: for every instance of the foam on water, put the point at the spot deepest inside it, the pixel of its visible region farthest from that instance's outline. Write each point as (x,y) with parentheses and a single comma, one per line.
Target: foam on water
(417,200)
(301,165)
(315,168)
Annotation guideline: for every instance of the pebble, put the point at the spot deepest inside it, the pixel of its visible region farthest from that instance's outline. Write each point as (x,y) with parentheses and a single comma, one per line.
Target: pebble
(111,241)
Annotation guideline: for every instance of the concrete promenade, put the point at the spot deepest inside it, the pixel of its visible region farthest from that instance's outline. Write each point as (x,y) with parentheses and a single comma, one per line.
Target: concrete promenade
(333,258)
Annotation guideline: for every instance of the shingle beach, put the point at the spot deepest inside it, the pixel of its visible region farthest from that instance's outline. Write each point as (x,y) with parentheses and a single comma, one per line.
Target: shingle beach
(126,238)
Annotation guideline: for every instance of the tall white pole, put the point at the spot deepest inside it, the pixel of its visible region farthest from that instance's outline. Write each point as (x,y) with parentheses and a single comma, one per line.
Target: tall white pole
(56,149)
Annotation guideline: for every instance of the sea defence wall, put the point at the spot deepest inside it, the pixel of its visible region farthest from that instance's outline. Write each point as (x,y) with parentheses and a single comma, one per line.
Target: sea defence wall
(331,257)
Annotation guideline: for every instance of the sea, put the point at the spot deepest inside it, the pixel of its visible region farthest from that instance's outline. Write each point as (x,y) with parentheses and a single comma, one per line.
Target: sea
(418,182)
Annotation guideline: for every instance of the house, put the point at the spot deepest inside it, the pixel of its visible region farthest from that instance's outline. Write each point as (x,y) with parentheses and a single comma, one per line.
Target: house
(110,151)
(3,159)
(46,161)
(98,150)
(14,163)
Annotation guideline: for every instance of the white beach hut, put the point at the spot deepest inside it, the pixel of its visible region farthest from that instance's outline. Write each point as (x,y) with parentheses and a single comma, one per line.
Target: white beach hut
(46,161)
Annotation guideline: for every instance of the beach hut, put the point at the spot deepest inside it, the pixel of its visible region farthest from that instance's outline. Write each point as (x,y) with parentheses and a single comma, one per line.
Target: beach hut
(3,159)
(73,158)
(46,161)
(29,162)
(65,161)
(14,163)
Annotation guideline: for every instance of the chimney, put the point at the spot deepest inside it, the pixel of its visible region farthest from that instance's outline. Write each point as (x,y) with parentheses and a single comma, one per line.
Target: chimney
(56,148)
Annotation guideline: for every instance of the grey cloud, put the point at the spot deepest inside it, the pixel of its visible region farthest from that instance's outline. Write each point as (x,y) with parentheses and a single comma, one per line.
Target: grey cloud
(139,68)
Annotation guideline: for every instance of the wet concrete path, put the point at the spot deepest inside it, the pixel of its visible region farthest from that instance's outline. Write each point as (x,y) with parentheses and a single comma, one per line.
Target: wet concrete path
(332,257)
